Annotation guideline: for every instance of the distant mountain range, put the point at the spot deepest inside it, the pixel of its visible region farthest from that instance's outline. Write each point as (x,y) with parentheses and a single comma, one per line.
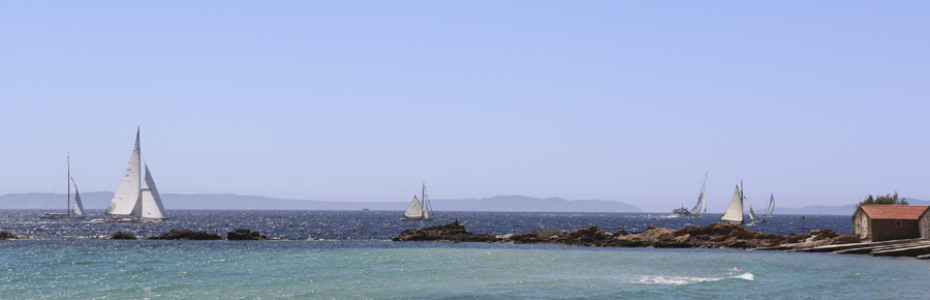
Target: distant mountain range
(100,200)
(832,210)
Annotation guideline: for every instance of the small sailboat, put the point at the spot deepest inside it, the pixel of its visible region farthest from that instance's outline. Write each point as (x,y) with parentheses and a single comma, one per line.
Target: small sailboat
(699,209)
(734,213)
(132,202)
(419,210)
(771,207)
(78,209)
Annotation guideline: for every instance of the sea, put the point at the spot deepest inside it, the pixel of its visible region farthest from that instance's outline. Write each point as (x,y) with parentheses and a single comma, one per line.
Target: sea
(349,255)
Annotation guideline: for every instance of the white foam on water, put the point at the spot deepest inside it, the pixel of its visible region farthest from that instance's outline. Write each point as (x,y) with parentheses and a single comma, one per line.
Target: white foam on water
(682,280)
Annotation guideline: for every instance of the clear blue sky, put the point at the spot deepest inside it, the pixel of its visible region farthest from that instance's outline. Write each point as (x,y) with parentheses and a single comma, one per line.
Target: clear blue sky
(818,102)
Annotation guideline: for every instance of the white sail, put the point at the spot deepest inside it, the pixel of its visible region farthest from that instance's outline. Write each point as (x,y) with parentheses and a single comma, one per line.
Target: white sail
(127,194)
(752,214)
(734,213)
(771,208)
(415,210)
(149,207)
(700,204)
(427,206)
(704,210)
(78,206)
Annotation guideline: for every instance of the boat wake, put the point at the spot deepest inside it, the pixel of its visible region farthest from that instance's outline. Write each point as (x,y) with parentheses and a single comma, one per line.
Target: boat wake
(682,280)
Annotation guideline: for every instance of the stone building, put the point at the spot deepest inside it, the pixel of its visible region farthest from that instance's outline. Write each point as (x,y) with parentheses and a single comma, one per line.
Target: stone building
(890,222)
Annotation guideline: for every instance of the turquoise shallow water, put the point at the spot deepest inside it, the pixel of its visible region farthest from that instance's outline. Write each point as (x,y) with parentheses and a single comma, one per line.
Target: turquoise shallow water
(94,269)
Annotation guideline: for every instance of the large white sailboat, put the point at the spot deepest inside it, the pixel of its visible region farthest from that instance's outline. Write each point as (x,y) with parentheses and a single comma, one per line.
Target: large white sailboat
(734,213)
(78,210)
(135,199)
(770,209)
(419,210)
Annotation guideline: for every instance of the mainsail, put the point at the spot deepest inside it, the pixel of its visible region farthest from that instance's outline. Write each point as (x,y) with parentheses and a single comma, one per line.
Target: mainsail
(127,194)
(771,207)
(701,205)
(415,210)
(427,206)
(734,213)
(78,206)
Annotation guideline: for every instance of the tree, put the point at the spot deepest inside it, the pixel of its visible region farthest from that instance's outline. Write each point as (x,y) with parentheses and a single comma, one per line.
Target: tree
(884,200)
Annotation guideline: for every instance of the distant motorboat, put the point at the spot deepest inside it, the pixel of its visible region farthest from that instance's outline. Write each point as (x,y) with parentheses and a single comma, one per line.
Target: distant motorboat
(78,210)
(419,210)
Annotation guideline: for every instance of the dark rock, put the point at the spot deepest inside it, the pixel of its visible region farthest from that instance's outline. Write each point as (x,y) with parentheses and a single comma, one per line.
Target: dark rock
(7,236)
(620,232)
(187,234)
(451,232)
(119,235)
(245,235)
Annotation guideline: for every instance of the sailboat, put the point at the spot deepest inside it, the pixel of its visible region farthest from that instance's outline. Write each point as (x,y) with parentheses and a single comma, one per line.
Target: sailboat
(771,207)
(132,202)
(78,211)
(701,207)
(419,210)
(734,213)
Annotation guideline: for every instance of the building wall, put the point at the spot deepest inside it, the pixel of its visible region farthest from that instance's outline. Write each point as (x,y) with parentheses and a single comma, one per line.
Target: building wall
(860,224)
(924,224)
(883,230)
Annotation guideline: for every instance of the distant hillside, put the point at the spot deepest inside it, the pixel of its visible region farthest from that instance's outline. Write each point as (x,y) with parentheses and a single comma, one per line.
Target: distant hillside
(833,210)
(100,200)
(817,210)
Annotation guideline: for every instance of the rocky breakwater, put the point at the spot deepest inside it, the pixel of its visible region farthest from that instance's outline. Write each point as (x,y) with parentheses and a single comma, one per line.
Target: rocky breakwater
(452,232)
(715,235)
(187,235)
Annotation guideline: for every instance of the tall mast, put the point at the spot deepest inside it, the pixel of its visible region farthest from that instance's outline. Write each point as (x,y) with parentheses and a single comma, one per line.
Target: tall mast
(68,201)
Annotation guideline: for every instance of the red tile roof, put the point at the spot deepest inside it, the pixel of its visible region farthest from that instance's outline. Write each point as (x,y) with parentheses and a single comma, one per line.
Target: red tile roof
(894,212)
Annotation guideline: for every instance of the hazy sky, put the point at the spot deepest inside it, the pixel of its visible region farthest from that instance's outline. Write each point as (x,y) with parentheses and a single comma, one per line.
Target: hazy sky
(819,102)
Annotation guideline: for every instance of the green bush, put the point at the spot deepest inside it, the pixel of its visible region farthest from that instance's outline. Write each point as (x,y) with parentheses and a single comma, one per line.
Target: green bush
(884,200)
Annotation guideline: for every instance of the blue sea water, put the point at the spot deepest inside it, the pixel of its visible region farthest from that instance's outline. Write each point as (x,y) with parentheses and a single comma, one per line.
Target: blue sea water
(66,262)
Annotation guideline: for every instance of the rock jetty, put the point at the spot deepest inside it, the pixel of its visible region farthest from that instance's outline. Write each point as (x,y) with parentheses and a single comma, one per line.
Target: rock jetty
(452,232)
(187,235)
(119,235)
(715,235)
(245,235)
